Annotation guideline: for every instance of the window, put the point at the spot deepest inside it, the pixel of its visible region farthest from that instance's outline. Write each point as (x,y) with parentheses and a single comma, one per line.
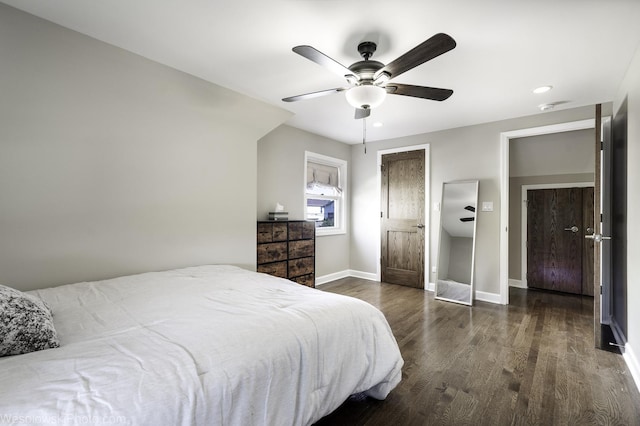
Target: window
(325,193)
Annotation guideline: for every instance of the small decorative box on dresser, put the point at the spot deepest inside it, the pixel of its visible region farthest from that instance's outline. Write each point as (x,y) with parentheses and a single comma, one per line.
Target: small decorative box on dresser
(287,249)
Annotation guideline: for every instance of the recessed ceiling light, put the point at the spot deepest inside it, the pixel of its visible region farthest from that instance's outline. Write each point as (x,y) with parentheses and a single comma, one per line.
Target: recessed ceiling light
(542,89)
(377,124)
(546,107)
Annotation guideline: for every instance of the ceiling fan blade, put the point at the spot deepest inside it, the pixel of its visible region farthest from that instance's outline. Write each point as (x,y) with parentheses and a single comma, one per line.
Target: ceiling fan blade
(320,58)
(362,113)
(425,51)
(313,94)
(433,93)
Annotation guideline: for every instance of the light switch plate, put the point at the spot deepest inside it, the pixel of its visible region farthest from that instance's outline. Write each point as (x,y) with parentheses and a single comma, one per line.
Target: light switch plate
(487,206)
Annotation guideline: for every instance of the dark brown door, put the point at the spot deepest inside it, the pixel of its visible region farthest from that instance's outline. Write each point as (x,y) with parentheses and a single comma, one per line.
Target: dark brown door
(402,218)
(558,256)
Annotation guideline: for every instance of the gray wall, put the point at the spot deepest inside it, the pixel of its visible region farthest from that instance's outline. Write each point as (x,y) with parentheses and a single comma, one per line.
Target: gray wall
(553,154)
(112,164)
(630,88)
(460,259)
(471,152)
(281,179)
(445,251)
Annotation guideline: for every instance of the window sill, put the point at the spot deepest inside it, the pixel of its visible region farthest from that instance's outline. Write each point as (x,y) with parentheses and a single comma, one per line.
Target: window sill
(327,232)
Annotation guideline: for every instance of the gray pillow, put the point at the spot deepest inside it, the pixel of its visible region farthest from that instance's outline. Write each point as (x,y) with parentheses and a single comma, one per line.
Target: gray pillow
(26,323)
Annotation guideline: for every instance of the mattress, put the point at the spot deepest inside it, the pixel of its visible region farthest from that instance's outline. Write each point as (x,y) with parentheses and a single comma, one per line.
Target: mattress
(208,345)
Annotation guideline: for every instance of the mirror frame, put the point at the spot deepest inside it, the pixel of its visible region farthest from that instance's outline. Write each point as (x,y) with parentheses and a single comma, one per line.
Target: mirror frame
(473,249)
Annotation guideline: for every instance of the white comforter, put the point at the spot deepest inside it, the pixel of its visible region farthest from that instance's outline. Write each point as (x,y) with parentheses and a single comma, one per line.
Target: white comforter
(210,345)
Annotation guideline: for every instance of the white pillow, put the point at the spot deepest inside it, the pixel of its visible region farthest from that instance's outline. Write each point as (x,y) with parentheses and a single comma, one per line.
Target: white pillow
(26,323)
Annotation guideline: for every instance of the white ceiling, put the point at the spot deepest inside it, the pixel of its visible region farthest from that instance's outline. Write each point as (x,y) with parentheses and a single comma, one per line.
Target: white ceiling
(505,48)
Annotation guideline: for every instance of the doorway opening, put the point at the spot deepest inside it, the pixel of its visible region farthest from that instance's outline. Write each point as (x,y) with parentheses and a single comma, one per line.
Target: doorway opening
(505,139)
(600,173)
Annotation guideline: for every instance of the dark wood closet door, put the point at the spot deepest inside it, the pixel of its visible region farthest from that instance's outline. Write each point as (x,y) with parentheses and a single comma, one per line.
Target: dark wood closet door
(402,218)
(556,250)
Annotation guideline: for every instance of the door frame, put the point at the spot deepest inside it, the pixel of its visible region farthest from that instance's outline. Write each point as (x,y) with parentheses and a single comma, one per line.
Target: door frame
(524,218)
(505,138)
(427,203)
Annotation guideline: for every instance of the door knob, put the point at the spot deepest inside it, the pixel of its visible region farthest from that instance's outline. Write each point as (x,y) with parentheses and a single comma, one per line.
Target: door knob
(597,237)
(420,226)
(573,229)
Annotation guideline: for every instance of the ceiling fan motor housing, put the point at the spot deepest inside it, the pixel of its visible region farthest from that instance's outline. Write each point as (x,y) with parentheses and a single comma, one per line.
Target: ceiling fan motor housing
(367,49)
(365,70)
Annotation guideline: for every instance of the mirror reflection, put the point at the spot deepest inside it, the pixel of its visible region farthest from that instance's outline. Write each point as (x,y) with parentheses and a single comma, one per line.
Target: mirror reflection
(456,250)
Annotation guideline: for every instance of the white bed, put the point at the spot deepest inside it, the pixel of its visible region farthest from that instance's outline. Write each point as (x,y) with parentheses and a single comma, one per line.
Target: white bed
(209,345)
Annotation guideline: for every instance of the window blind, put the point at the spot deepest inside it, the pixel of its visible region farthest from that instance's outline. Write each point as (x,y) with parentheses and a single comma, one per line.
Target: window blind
(323,179)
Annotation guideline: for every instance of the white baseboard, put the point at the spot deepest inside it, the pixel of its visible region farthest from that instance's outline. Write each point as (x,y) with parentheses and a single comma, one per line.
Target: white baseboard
(331,277)
(344,274)
(364,275)
(633,363)
(431,287)
(488,297)
(516,283)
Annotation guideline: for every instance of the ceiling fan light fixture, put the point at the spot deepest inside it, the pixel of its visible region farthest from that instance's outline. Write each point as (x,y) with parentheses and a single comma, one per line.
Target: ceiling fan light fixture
(366,96)
(542,89)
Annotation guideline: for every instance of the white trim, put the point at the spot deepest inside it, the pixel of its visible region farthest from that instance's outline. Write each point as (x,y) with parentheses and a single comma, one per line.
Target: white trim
(505,137)
(631,359)
(427,203)
(331,277)
(516,283)
(345,274)
(488,297)
(341,201)
(524,220)
(431,287)
(364,275)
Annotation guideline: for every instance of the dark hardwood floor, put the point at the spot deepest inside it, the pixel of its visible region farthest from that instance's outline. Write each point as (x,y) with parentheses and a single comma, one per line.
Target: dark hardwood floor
(532,362)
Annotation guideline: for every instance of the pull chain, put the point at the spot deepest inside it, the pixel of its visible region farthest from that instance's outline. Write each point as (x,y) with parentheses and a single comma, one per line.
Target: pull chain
(364,134)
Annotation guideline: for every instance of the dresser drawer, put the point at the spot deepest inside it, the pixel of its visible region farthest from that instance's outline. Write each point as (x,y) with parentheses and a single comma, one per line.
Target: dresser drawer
(301,248)
(278,269)
(302,266)
(295,231)
(309,230)
(272,232)
(272,252)
(308,280)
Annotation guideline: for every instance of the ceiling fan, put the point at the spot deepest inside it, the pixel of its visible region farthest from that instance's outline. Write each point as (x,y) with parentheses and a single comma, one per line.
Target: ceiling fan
(369,80)
(469,219)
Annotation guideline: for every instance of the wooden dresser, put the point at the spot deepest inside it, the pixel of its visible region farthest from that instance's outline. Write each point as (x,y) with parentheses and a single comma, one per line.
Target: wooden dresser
(287,249)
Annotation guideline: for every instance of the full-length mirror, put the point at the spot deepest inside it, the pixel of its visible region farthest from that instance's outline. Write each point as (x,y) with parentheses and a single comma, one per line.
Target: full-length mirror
(456,250)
